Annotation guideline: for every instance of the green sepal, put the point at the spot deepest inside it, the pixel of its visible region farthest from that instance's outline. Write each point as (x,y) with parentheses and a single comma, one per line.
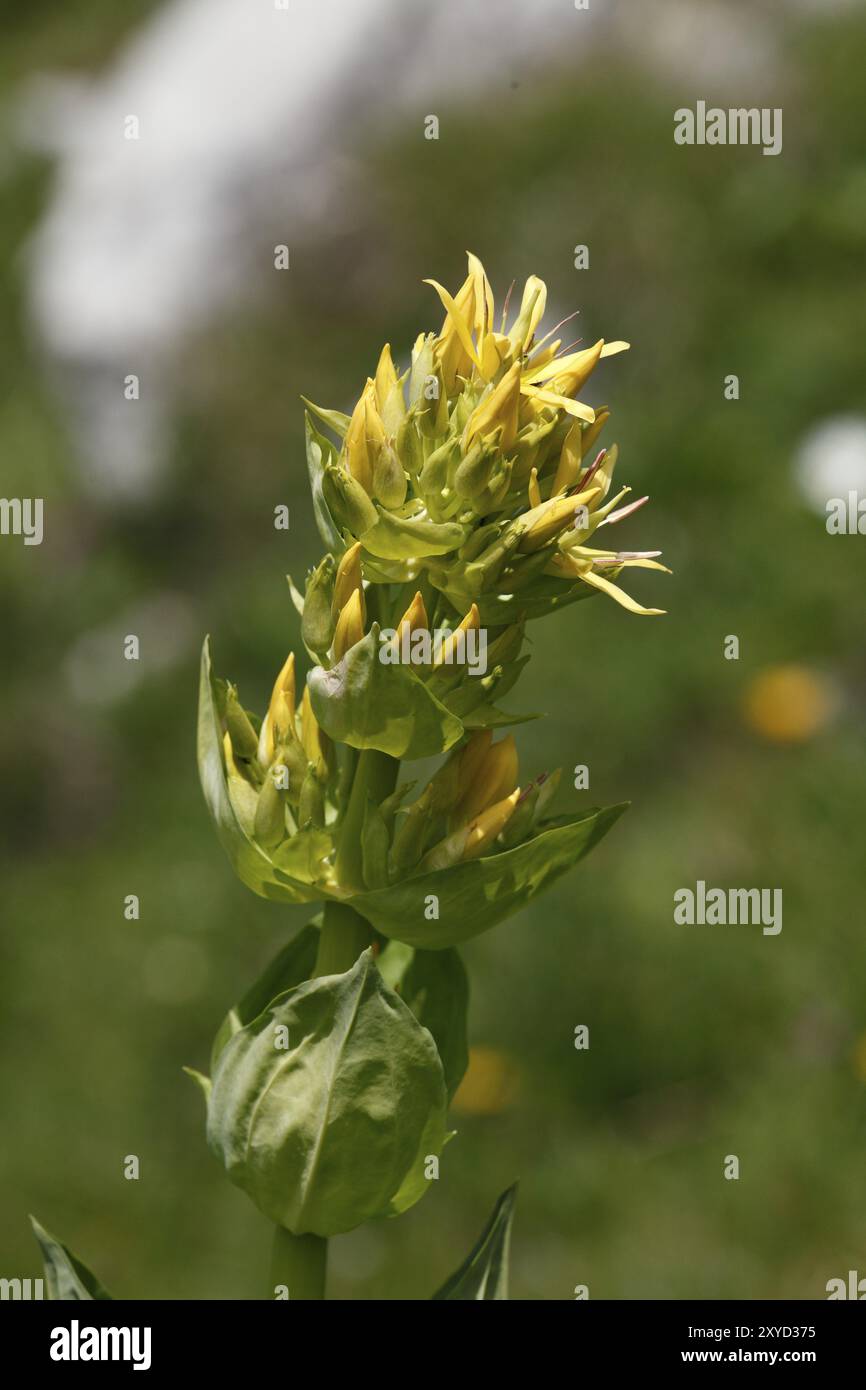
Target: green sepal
(201,1081)
(336,420)
(320,453)
(66,1278)
(396,538)
(490,717)
(483,1276)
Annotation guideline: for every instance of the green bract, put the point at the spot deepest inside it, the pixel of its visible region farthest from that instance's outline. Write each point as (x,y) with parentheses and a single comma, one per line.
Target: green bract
(366,704)
(328,1106)
(66,1278)
(475,896)
(472,897)
(483,1276)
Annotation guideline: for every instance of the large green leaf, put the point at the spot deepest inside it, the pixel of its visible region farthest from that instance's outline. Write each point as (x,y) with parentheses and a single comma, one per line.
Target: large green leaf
(335,1128)
(476,895)
(251,863)
(436,987)
(291,966)
(484,1273)
(368,704)
(66,1278)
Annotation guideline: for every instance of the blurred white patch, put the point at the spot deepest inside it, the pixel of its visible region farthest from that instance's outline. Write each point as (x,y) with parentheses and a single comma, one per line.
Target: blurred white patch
(253,124)
(831,460)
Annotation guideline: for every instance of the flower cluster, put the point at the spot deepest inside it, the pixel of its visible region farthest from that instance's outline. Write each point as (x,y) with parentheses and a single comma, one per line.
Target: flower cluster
(477,467)
(459,497)
(462,494)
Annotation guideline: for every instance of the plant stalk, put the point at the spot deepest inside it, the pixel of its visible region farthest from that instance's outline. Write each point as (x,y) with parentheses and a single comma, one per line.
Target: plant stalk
(343,937)
(375,777)
(300,1262)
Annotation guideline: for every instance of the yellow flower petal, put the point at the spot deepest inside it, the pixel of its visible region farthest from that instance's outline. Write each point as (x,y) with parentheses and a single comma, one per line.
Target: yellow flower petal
(460,326)
(622,598)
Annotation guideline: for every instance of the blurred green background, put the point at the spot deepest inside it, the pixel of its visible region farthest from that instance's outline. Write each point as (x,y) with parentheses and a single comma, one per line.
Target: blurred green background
(704,1041)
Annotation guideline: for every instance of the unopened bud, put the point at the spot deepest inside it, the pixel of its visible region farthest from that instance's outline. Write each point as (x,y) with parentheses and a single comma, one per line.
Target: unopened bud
(389,480)
(317,623)
(243,736)
(280,718)
(347,501)
(494,778)
(350,626)
(485,828)
(544,523)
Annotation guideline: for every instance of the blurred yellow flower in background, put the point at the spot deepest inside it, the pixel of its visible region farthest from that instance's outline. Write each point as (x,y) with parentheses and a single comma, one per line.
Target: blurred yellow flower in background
(491,1083)
(788,704)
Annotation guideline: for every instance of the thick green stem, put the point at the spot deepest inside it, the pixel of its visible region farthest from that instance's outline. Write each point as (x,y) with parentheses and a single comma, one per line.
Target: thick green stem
(298,1264)
(376,777)
(343,937)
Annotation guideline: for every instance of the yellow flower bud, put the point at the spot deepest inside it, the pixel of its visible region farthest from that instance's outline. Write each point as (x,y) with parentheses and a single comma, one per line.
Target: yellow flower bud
(545,522)
(314,742)
(568,468)
(494,778)
(348,578)
(452,357)
(446,652)
(573,371)
(414,617)
(229,755)
(364,438)
(532,307)
(386,378)
(280,718)
(498,409)
(350,626)
(496,352)
(389,480)
(484,829)
(389,394)
(472,755)
(533,489)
